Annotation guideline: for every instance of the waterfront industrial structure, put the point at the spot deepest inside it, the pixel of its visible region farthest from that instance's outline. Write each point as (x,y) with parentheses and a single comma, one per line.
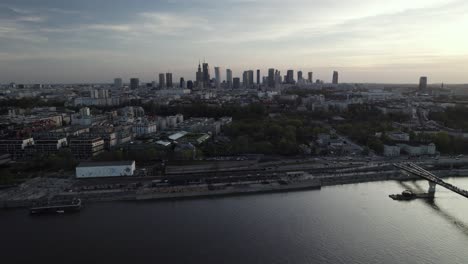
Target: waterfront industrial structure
(105,169)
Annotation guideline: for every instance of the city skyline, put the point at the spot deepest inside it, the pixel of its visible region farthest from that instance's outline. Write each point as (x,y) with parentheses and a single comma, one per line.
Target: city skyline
(161,78)
(63,42)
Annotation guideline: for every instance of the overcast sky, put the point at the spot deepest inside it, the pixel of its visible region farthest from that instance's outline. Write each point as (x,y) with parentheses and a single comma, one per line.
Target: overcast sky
(53,41)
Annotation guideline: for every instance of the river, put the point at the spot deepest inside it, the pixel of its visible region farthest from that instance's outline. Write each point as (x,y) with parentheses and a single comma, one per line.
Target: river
(354,223)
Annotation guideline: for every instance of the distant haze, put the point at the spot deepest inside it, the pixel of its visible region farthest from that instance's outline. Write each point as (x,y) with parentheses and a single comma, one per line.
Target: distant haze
(52,41)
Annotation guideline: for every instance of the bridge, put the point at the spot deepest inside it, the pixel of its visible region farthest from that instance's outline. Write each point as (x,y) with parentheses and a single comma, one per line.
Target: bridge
(431,178)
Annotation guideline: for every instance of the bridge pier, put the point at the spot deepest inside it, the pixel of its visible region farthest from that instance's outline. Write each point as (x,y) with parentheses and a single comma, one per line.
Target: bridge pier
(431,178)
(432,189)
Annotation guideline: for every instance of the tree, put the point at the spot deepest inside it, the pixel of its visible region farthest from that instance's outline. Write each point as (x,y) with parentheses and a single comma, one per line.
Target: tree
(375,144)
(286,147)
(6,177)
(442,141)
(241,144)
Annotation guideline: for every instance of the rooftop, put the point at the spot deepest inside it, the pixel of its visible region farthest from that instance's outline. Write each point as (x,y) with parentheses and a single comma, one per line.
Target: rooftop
(178,135)
(163,143)
(106,163)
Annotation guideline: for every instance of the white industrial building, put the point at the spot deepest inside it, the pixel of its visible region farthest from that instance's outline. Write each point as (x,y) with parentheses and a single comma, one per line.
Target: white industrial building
(391,151)
(399,136)
(105,169)
(144,128)
(418,150)
(171,121)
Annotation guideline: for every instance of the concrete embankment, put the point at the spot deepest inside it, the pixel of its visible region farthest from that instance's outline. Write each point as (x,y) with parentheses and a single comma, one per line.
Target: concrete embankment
(246,189)
(187,192)
(233,191)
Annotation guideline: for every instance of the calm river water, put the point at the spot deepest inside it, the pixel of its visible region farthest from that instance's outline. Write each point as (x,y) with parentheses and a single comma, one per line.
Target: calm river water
(355,223)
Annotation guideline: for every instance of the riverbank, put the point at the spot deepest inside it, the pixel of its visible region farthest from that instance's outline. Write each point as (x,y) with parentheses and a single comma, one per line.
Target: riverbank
(220,190)
(241,189)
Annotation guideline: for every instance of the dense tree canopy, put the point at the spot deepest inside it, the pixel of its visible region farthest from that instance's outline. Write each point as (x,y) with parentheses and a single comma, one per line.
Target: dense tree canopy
(206,110)
(452,117)
(30,102)
(267,136)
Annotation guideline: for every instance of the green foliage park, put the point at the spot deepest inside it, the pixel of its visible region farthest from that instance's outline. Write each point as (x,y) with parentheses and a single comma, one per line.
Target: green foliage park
(363,121)
(281,135)
(452,117)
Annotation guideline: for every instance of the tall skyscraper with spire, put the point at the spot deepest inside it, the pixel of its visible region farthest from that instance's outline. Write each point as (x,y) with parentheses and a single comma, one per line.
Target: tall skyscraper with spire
(199,76)
(206,75)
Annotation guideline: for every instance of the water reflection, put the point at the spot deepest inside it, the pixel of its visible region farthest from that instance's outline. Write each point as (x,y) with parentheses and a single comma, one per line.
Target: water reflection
(416,186)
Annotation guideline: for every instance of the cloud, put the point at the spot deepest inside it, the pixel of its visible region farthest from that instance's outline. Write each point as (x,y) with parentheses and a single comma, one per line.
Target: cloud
(62,11)
(241,33)
(170,23)
(31,19)
(146,24)
(14,30)
(118,28)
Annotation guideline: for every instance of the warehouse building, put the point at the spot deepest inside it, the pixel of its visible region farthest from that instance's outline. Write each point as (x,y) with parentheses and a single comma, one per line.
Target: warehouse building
(17,148)
(105,169)
(50,145)
(86,147)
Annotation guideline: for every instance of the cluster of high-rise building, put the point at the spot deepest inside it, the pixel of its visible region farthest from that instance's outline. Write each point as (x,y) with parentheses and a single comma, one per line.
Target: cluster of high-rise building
(249,79)
(203,76)
(110,122)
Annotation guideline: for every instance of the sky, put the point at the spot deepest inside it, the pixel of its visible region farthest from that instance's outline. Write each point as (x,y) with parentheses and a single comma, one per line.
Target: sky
(56,41)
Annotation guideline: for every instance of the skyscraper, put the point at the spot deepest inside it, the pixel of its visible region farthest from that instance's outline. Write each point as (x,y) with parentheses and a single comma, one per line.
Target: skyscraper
(310,77)
(229,78)
(299,76)
(236,83)
(182,82)
(423,83)
(290,77)
(245,81)
(271,78)
(134,83)
(190,85)
(118,83)
(206,75)
(162,81)
(199,77)
(335,77)
(258,77)
(248,79)
(218,77)
(278,79)
(169,80)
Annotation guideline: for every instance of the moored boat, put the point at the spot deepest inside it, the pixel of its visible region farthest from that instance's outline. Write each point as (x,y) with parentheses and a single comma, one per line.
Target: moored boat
(405,195)
(57,207)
